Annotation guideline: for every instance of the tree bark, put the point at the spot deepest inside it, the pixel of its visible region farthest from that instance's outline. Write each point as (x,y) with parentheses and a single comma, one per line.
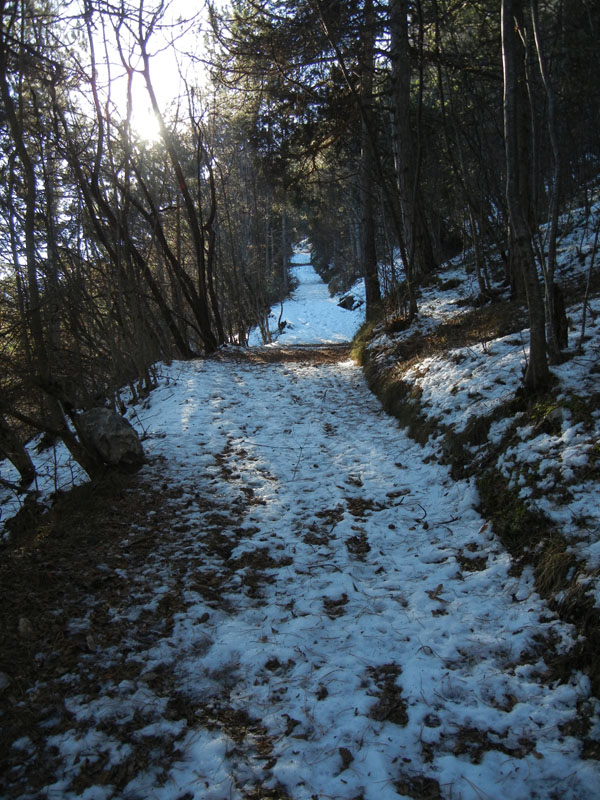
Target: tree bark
(417,241)
(368,250)
(209,339)
(555,315)
(13,448)
(537,374)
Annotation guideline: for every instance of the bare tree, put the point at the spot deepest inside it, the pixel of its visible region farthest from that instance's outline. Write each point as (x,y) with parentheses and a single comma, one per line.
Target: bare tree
(406,144)
(537,375)
(553,299)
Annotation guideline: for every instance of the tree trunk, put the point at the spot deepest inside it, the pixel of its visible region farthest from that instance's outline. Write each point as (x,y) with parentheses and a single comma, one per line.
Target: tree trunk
(537,375)
(555,313)
(368,250)
(284,247)
(209,339)
(417,241)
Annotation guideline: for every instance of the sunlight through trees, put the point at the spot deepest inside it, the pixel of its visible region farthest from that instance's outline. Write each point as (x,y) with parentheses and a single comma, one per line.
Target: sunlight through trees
(158,163)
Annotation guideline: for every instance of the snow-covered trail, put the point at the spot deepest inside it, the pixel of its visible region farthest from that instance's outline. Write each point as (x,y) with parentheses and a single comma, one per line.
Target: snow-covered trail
(312,316)
(325,616)
(307,606)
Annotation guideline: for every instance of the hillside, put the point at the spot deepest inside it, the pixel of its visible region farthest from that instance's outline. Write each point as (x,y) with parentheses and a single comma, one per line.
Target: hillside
(454,380)
(296,597)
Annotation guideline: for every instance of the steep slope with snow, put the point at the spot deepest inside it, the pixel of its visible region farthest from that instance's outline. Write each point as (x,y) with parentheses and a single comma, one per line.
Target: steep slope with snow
(545,451)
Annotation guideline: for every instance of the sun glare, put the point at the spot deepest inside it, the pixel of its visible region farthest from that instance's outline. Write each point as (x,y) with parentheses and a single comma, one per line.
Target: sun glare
(145,124)
(172,69)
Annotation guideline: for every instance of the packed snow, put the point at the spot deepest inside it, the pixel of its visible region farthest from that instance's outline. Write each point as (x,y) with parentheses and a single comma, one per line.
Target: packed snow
(357,608)
(311,315)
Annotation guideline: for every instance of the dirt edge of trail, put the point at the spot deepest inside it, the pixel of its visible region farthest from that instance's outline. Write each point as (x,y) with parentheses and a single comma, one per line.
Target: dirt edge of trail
(272,354)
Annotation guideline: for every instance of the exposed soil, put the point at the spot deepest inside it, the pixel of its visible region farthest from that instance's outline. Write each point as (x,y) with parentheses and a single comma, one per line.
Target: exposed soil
(315,354)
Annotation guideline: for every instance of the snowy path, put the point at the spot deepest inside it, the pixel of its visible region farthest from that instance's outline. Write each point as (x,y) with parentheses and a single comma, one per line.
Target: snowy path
(312,316)
(326,612)
(307,607)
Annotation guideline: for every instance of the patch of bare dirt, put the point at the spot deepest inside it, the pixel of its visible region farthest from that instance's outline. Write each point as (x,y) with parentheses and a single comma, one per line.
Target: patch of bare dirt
(475,326)
(358,545)
(391,705)
(71,563)
(334,607)
(360,506)
(66,561)
(314,354)
(419,788)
